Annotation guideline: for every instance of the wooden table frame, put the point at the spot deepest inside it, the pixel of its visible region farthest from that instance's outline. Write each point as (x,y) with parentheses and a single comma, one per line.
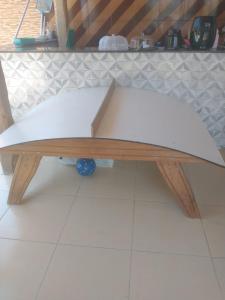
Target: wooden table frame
(168,162)
(23,158)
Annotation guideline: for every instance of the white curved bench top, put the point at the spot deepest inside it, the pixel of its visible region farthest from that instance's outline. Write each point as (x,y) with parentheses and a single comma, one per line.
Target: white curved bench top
(65,115)
(131,114)
(149,117)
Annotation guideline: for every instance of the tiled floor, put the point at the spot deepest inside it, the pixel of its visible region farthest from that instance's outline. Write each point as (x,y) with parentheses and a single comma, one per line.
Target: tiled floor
(118,235)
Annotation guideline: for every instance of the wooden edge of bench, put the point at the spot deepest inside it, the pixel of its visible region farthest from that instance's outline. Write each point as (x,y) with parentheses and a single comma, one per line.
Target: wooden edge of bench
(101,148)
(96,122)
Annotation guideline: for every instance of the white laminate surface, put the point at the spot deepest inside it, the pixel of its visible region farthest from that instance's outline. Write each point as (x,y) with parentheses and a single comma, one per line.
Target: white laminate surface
(66,115)
(131,114)
(148,117)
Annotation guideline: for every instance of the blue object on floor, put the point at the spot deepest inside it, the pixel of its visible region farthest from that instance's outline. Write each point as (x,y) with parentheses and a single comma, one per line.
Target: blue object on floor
(85,166)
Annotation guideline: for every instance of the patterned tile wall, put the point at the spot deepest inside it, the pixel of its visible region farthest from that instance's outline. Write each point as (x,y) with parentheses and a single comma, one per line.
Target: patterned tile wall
(195,78)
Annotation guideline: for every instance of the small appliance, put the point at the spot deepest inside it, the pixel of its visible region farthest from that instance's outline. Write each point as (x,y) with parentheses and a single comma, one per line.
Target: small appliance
(203,32)
(174,39)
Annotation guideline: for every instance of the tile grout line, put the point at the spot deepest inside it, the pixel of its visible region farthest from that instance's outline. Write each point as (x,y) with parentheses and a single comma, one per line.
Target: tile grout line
(45,273)
(132,234)
(110,248)
(27,241)
(170,253)
(57,243)
(58,240)
(211,259)
(94,247)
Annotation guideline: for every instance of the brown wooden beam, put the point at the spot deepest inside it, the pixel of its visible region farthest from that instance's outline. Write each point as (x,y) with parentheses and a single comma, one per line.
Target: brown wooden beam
(101,148)
(61,15)
(26,167)
(176,180)
(6,120)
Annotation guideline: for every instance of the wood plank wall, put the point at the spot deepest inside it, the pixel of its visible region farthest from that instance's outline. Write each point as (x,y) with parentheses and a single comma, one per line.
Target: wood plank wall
(94,18)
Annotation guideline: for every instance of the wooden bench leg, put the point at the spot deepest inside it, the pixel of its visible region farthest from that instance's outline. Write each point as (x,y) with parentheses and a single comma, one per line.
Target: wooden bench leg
(6,120)
(8,162)
(26,167)
(176,180)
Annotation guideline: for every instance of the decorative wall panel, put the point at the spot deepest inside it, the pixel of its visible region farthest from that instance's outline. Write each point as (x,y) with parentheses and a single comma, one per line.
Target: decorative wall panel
(195,78)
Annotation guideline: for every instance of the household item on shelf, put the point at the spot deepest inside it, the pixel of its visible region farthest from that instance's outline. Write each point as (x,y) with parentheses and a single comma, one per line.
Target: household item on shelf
(44,6)
(186,42)
(159,45)
(174,39)
(141,42)
(221,44)
(135,43)
(70,39)
(146,41)
(113,43)
(203,32)
(23,41)
(216,42)
(180,39)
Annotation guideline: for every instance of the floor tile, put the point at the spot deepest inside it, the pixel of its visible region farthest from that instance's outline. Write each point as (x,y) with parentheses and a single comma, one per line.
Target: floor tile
(87,274)
(165,228)
(207,182)
(219,264)
(100,217)
(53,177)
(22,267)
(146,165)
(101,222)
(3,202)
(125,164)
(40,218)
(109,182)
(170,277)
(150,186)
(214,226)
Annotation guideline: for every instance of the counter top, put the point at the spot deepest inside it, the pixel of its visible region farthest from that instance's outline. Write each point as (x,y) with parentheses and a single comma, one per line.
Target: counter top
(49,49)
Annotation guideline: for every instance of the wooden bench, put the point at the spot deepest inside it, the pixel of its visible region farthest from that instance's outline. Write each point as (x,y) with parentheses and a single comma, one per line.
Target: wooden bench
(108,122)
